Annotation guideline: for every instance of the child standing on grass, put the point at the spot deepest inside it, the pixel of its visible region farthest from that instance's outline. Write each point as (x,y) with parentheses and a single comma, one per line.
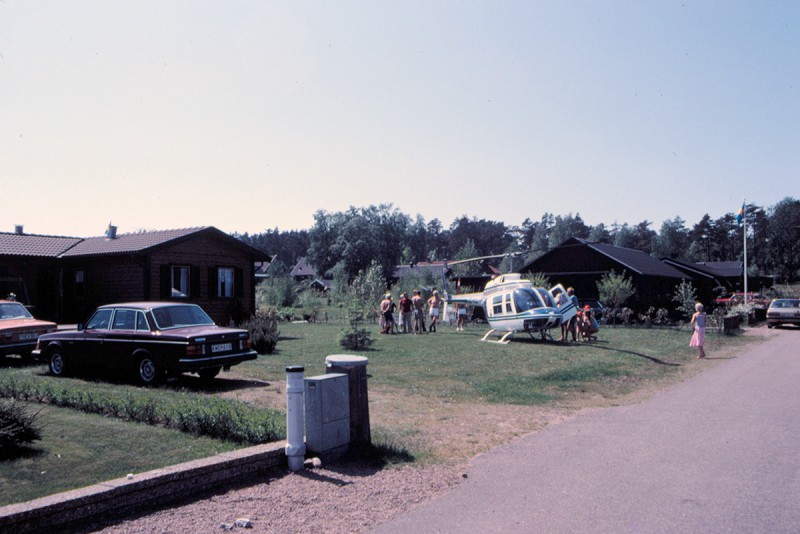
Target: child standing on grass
(699,324)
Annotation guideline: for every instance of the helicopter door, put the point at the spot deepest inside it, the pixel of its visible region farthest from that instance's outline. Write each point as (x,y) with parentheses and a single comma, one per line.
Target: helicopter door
(568,309)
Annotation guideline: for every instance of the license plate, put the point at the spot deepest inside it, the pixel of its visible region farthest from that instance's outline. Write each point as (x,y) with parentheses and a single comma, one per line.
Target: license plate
(222,347)
(26,337)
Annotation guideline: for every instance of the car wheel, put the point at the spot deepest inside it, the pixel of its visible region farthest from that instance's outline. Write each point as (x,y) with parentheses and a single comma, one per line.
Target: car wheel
(207,375)
(58,363)
(147,371)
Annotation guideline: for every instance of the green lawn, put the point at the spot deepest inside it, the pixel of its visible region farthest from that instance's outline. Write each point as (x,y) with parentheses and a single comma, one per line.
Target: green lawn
(457,366)
(80,449)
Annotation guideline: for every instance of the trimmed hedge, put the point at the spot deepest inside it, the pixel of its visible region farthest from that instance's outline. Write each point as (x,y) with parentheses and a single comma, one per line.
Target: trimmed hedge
(229,420)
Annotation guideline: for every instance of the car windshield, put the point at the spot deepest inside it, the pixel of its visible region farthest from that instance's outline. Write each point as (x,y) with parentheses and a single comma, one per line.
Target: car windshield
(14,310)
(180,316)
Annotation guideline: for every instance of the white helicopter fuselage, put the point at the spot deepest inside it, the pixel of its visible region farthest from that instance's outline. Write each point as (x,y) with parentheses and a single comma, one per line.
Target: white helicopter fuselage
(512,304)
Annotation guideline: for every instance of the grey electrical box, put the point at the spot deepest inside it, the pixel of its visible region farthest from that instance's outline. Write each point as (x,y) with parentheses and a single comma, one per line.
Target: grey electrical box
(327,412)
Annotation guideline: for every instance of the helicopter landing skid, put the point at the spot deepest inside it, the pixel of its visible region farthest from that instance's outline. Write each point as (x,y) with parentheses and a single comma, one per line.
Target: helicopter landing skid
(545,335)
(505,340)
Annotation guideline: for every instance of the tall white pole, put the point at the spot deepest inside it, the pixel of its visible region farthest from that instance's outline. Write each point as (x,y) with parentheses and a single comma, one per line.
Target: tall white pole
(744,237)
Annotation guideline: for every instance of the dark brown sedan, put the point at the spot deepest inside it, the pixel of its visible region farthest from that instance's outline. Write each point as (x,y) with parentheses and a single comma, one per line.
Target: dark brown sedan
(148,339)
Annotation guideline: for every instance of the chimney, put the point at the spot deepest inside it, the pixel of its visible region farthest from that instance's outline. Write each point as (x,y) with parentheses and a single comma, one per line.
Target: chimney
(112,232)
(18,229)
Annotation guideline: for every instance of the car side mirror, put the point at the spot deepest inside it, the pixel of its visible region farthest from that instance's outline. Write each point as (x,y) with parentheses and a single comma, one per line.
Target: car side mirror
(81,326)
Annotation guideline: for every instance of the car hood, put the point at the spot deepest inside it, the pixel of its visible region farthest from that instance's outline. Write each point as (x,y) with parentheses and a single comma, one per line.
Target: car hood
(26,324)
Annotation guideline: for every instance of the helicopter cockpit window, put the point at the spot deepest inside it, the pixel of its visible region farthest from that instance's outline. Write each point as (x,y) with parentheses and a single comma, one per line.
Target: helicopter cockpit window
(547,298)
(526,299)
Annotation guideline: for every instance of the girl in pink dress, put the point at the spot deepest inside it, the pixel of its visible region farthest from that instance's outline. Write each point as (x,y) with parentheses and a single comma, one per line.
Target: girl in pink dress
(699,324)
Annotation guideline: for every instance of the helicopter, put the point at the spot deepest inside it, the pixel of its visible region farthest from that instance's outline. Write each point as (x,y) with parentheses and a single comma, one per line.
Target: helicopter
(513,304)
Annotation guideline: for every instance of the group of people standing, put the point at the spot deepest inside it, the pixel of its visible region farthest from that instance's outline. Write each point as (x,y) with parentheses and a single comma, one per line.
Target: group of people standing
(583,325)
(412,313)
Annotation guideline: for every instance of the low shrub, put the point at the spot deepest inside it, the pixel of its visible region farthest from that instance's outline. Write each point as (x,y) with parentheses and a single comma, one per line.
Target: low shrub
(354,337)
(263,328)
(18,427)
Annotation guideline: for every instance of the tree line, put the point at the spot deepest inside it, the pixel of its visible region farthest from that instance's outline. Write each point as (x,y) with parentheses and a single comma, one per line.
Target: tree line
(346,243)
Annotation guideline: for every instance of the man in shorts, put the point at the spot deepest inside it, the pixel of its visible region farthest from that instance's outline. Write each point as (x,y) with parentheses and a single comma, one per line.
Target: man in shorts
(419,312)
(434,304)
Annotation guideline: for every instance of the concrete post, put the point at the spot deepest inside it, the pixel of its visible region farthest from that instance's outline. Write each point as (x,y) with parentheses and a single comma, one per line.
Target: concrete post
(295,418)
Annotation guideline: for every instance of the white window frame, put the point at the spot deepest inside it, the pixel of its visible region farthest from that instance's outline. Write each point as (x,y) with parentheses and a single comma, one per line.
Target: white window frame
(226,277)
(181,284)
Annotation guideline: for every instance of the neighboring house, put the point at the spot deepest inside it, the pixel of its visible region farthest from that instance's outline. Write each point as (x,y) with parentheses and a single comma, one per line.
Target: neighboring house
(581,264)
(303,271)
(714,279)
(67,278)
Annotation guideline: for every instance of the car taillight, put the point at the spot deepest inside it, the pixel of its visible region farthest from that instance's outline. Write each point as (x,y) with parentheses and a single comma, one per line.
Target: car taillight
(246,344)
(194,349)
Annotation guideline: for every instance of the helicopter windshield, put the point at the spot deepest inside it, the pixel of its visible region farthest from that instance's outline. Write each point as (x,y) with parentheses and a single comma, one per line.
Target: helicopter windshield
(526,299)
(547,298)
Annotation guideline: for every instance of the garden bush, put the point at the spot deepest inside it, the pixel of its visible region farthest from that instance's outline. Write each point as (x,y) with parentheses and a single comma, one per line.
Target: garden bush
(17,427)
(263,328)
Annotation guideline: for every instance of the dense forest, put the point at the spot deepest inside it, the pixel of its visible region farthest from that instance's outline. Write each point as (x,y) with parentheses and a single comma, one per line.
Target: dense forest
(351,240)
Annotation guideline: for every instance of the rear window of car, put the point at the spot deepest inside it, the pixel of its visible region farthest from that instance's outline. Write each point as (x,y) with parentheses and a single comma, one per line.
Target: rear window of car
(180,316)
(786,304)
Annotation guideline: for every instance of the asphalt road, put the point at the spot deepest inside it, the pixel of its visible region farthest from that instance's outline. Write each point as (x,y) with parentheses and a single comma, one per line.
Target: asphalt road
(716,453)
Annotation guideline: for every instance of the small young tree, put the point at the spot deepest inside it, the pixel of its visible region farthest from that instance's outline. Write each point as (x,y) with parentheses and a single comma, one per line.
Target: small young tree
(614,290)
(354,337)
(278,292)
(686,296)
(367,289)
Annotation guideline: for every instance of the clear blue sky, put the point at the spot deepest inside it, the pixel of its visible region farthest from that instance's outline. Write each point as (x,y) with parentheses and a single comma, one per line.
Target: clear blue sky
(254,115)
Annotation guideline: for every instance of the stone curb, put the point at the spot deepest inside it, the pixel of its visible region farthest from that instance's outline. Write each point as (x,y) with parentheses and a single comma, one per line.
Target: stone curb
(124,495)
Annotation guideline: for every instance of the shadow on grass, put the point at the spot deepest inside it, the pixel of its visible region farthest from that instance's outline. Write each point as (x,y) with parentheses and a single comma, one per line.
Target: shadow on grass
(640,355)
(218,385)
(190,382)
(12,454)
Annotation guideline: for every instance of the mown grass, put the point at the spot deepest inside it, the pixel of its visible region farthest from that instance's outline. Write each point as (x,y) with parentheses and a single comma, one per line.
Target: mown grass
(457,366)
(79,449)
(448,366)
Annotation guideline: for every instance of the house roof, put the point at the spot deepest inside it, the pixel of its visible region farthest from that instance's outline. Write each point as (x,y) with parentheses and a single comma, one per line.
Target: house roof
(44,246)
(636,260)
(71,247)
(303,268)
(726,269)
(127,243)
(629,259)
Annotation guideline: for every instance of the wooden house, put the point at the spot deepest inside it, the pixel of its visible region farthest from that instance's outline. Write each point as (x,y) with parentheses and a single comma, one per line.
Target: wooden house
(581,264)
(67,278)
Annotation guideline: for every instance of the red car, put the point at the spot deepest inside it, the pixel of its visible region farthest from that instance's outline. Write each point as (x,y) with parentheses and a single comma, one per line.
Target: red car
(149,340)
(19,330)
(756,299)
